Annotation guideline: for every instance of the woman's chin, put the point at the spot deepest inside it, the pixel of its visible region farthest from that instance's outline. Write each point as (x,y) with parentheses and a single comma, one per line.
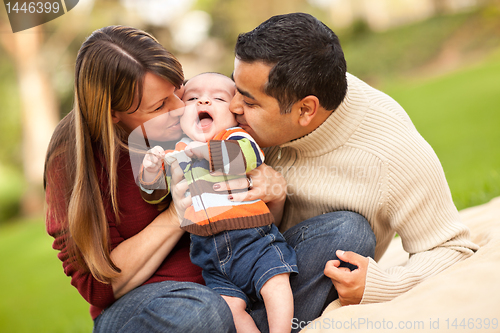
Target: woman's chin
(167,137)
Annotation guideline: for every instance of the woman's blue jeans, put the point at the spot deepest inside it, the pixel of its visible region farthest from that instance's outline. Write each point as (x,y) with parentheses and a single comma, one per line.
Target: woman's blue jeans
(167,306)
(315,242)
(188,307)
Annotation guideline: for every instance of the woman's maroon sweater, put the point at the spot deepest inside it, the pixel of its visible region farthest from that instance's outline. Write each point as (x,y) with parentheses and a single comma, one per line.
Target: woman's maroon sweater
(135,215)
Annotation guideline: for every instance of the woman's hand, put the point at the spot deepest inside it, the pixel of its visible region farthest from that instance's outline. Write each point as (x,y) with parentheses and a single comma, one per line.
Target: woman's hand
(268,185)
(178,189)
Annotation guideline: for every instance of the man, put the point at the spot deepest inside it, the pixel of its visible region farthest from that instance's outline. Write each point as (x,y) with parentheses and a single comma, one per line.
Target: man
(342,145)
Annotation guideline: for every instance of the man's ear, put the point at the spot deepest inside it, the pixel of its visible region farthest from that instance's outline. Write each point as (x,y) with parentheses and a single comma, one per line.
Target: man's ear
(115,117)
(308,109)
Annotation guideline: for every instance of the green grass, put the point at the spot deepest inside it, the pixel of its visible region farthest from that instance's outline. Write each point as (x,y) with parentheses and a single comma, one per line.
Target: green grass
(375,56)
(459,115)
(36,295)
(11,190)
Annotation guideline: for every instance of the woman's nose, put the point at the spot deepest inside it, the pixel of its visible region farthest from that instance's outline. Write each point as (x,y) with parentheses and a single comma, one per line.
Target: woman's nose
(177,108)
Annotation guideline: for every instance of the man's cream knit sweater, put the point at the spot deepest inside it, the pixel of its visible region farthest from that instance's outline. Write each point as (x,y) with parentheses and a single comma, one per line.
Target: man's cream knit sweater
(367,157)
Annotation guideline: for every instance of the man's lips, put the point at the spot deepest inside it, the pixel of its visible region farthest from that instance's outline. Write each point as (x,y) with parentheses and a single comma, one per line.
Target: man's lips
(240,124)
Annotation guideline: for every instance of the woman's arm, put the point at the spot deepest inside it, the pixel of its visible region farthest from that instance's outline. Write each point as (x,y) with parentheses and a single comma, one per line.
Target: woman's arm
(140,256)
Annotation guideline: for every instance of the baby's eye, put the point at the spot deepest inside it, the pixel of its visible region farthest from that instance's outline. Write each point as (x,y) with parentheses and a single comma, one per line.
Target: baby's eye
(192,99)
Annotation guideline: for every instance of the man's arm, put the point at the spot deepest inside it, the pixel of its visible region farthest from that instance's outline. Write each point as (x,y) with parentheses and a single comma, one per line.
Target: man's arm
(419,207)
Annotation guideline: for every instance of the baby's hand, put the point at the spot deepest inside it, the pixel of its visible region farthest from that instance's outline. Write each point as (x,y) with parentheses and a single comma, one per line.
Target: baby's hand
(152,163)
(197,149)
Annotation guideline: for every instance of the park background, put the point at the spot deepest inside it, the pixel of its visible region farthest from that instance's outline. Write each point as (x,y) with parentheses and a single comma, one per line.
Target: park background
(440,59)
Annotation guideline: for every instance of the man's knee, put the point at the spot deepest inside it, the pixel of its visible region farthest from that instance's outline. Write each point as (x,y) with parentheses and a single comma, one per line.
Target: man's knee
(358,229)
(350,230)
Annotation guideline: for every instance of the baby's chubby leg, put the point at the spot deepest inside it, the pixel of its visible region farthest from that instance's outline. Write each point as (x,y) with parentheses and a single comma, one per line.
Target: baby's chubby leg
(242,320)
(278,299)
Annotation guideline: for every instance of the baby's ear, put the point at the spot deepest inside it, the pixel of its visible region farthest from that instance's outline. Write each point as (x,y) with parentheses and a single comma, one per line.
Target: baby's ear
(180,92)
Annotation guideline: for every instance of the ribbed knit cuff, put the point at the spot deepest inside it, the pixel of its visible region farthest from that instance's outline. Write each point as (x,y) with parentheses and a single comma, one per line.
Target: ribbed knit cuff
(153,185)
(380,286)
(215,151)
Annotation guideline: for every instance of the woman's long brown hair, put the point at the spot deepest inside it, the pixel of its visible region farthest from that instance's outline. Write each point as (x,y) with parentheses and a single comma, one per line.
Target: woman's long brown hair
(109,72)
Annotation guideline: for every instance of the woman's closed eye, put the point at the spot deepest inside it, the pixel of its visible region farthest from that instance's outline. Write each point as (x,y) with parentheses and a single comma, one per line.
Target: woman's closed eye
(160,107)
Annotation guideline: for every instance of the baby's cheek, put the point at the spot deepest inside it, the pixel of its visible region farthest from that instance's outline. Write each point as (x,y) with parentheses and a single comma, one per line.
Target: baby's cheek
(186,123)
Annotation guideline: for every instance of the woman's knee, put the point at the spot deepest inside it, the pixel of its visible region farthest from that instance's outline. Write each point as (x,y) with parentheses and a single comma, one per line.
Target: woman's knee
(168,306)
(207,312)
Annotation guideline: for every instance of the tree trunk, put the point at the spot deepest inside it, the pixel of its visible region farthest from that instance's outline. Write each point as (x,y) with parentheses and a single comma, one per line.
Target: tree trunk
(39,113)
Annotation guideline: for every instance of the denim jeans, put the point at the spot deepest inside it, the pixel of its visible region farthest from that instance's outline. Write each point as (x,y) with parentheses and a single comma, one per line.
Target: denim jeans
(167,306)
(315,242)
(239,262)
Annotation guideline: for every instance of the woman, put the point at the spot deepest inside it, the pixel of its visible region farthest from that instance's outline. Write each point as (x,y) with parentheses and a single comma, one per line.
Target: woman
(128,260)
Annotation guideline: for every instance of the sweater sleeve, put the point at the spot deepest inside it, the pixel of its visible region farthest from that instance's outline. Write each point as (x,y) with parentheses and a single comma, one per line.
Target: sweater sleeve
(158,189)
(234,151)
(421,210)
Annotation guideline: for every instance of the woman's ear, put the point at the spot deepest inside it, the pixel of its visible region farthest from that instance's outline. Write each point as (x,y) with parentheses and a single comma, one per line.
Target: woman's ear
(308,109)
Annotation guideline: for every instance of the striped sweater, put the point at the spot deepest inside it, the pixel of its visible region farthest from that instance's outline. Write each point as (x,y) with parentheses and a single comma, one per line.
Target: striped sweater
(367,157)
(233,153)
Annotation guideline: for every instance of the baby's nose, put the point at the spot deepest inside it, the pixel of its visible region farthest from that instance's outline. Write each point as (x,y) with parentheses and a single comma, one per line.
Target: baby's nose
(202,101)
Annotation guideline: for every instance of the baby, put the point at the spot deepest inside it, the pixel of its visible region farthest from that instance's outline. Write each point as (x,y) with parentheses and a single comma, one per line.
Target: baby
(240,250)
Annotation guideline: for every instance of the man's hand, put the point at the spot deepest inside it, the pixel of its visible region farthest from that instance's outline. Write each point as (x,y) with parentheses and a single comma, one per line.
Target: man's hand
(267,185)
(350,285)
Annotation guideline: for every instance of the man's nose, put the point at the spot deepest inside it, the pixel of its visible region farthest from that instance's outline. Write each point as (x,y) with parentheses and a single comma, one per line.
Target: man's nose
(235,105)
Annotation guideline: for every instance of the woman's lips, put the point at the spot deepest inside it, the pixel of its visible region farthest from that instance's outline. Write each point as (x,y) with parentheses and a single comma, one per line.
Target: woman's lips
(175,126)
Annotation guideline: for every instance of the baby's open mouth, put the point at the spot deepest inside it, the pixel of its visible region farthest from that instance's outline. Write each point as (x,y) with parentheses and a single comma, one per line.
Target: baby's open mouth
(204,119)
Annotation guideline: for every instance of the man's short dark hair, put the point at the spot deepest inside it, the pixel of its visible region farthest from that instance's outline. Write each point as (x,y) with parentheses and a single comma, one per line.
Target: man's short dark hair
(306,59)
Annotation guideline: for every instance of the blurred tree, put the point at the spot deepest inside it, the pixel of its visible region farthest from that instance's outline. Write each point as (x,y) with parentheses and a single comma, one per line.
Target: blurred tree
(33,53)
(232,17)
(38,106)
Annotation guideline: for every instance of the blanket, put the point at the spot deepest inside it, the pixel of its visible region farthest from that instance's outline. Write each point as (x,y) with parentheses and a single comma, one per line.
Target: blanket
(463,298)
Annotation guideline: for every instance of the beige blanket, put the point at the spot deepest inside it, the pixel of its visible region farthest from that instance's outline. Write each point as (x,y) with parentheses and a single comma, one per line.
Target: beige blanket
(463,298)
